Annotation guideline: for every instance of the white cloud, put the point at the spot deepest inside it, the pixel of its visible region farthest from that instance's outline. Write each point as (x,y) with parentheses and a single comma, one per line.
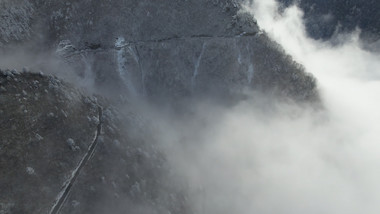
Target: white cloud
(249,159)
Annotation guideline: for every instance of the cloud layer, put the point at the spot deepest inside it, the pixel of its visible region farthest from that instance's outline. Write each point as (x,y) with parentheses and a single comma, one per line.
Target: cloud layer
(288,159)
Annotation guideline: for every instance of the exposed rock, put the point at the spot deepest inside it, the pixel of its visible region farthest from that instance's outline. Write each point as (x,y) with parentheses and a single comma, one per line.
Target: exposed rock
(167,51)
(71,143)
(15,20)
(30,170)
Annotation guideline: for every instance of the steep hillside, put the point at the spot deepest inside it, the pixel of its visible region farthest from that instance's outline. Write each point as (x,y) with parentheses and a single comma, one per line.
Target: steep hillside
(165,50)
(63,151)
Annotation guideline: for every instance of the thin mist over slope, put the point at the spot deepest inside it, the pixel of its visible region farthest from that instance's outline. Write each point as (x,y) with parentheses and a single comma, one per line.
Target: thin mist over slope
(252,158)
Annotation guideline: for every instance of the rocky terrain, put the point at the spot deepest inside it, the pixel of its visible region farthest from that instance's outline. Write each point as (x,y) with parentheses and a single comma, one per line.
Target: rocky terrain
(16,21)
(63,150)
(171,51)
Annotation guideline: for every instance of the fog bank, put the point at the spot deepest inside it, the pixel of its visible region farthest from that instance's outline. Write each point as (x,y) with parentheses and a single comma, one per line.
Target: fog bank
(288,159)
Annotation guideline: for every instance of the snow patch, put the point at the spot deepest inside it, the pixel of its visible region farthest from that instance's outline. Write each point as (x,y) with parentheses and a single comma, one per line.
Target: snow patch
(30,171)
(196,67)
(125,76)
(38,137)
(65,48)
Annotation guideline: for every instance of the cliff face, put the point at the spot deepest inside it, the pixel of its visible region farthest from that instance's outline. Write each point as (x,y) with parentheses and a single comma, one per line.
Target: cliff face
(167,50)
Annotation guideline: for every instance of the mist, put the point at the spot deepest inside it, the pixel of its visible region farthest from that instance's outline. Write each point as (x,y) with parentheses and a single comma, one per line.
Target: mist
(287,158)
(78,72)
(262,155)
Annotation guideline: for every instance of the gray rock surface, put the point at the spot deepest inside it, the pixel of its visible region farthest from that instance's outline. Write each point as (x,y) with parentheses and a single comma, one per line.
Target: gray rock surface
(168,49)
(15,20)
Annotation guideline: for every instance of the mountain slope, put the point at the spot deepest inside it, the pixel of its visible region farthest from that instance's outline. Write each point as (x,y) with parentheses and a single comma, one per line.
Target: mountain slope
(63,151)
(47,129)
(165,51)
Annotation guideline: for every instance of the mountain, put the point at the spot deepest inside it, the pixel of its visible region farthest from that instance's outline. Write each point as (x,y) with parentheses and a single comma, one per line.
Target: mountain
(166,50)
(64,150)
(57,143)
(324,18)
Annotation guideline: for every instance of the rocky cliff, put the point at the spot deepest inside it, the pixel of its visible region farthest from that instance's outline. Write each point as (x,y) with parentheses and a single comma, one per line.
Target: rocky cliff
(163,50)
